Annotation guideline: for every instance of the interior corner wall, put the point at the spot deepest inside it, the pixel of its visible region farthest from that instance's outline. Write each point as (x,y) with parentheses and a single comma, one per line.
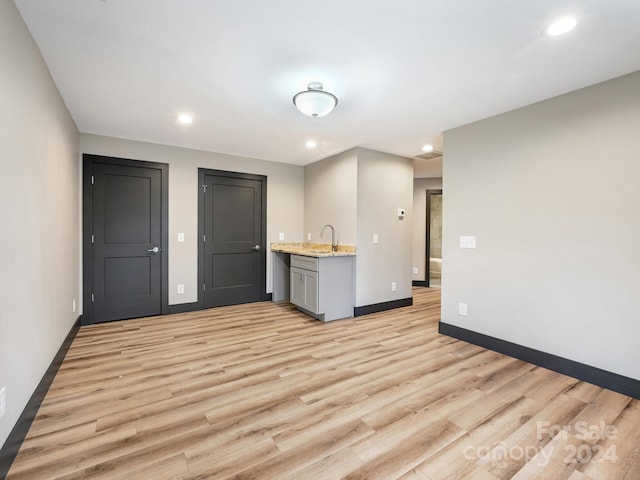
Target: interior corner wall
(419,250)
(551,191)
(385,184)
(330,191)
(285,199)
(39,211)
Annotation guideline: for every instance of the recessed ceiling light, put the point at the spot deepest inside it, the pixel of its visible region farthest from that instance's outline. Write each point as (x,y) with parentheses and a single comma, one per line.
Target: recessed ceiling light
(427,148)
(561,26)
(311,144)
(185,118)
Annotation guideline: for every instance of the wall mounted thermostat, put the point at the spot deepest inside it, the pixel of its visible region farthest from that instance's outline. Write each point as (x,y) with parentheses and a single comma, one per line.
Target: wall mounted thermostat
(401,213)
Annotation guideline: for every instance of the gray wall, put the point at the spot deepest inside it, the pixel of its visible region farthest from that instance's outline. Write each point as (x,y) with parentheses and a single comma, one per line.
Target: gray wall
(285,199)
(420,187)
(359,191)
(552,192)
(385,183)
(330,197)
(39,189)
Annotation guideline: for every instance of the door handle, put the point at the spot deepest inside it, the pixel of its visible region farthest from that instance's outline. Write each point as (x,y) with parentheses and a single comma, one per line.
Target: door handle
(153,250)
(256,248)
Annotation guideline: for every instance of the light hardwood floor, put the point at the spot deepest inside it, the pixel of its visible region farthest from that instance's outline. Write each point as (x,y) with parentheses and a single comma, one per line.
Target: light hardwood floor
(262,391)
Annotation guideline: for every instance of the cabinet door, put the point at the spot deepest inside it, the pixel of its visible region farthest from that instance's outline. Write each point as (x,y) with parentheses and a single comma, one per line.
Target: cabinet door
(304,289)
(297,287)
(311,291)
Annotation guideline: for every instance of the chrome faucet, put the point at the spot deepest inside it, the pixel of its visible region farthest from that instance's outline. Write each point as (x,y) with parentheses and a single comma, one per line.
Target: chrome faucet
(334,244)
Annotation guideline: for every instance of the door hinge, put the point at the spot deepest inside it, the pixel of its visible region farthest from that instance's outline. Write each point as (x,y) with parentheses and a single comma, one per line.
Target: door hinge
(204,239)
(92,179)
(92,239)
(93,298)
(204,188)
(204,287)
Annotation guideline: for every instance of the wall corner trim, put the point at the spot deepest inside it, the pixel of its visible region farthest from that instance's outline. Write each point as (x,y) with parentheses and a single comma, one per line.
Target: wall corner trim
(602,378)
(12,445)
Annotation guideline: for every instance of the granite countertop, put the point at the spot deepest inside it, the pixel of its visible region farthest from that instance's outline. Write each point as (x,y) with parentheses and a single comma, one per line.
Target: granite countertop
(313,249)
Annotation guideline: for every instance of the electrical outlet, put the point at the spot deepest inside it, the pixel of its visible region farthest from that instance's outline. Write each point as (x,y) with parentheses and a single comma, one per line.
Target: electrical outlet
(467,242)
(281,236)
(462,309)
(180,289)
(3,401)
(308,237)
(394,286)
(415,270)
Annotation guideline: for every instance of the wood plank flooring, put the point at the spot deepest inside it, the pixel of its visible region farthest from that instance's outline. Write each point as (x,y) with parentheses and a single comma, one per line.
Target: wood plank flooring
(262,391)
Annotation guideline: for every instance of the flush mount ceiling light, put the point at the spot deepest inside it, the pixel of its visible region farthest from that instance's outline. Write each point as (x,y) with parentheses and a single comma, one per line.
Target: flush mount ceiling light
(311,144)
(427,148)
(314,101)
(185,119)
(561,26)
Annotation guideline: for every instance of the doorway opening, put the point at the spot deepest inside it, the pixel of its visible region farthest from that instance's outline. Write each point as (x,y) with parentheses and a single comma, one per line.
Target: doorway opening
(433,254)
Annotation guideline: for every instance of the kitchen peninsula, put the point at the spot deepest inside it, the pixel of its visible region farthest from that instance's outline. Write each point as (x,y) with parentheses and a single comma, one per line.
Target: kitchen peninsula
(315,278)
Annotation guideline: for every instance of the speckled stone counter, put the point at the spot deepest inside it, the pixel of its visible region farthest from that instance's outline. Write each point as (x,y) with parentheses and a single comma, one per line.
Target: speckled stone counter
(312,249)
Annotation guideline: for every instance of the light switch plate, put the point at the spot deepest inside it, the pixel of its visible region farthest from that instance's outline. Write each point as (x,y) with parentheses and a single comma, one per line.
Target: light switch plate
(281,236)
(415,270)
(375,238)
(3,401)
(180,289)
(462,309)
(467,242)
(180,237)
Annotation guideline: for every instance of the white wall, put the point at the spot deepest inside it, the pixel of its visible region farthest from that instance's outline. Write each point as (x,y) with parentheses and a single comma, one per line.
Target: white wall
(330,197)
(385,183)
(39,213)
(419,245)
(285,199)
(552,192)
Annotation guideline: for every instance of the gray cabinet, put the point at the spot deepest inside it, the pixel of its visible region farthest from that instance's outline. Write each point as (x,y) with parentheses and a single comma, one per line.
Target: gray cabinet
(323,287)
(304,289)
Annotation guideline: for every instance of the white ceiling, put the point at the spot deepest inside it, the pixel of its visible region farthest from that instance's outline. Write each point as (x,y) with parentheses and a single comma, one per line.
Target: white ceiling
(404,70)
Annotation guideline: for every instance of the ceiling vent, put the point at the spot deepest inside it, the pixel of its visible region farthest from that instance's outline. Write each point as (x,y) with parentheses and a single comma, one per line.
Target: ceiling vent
(430,155)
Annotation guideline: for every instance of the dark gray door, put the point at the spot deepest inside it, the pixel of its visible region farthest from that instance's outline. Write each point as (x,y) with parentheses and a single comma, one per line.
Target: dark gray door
(126,242)
(234,256)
